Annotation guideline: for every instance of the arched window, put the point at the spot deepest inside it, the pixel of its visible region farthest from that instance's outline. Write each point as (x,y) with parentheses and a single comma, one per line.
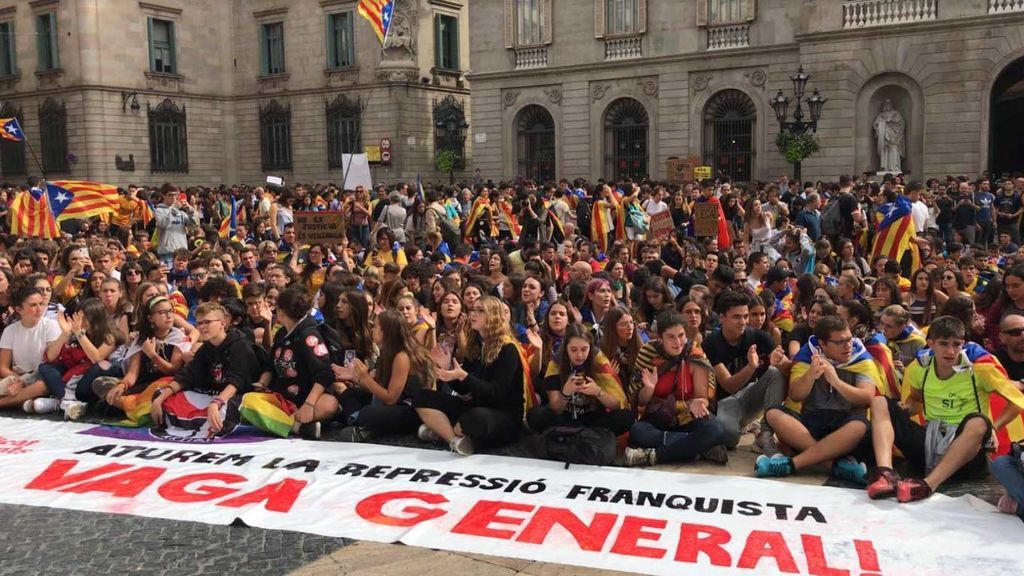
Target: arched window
(343,133)
(53,119)
(168,138)
(1006,121)
(535,144)
(276,136)
(729,119)
(625,140)
(12,154)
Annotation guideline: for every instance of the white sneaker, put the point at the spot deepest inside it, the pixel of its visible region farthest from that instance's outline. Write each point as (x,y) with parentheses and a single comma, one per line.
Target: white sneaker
(427,435)
(640,457)
(41,406)
(461,445)
(73,410)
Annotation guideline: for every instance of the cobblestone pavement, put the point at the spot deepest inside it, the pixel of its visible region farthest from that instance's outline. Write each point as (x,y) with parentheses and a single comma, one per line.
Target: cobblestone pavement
(46,541)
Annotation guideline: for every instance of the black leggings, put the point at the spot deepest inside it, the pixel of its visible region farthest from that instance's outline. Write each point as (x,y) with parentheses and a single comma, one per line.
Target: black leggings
(486,427)
(382,419)
(541,418)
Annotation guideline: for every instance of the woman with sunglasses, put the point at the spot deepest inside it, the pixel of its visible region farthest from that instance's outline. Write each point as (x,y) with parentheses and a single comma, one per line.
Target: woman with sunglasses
(952,283)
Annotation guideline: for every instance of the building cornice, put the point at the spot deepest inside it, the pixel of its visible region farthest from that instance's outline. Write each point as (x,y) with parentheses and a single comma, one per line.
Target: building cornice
(158,9)
(615,65)
(943,25)
(270,13)
(7,11)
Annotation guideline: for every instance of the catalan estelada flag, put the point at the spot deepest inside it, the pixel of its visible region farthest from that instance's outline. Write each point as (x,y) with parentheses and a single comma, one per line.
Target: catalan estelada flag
(894,232)
(601,223)
(31,216)
(228,225)
(989,377)
(878,347)
(10,129)
(379,13)
(75,199)
(480,211)
(860,362)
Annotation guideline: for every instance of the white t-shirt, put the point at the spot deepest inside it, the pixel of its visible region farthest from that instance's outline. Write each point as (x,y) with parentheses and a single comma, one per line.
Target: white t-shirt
(653,207)
(919,212)
(27,345)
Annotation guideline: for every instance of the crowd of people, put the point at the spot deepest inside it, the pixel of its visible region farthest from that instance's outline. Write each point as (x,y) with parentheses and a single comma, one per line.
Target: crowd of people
(473,316)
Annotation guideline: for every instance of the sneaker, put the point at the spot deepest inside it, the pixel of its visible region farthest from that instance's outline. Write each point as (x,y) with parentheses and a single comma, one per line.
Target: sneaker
(640,457)
(912,490)
(354,434)
(851,470)
(773,466)
(882,483)
(765,443)
(717,454)
(461,445)
(73,410)
(310,431)
(1007,505)
(427,435)
(41,406)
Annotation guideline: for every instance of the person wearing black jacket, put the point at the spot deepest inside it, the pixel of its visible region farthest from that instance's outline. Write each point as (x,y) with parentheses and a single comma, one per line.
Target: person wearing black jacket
(224,368)
(487,406)
(296,399)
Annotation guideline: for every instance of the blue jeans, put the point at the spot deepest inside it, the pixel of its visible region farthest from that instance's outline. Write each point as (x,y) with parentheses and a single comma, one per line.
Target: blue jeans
(53,376)
(1010,475)
(682,443)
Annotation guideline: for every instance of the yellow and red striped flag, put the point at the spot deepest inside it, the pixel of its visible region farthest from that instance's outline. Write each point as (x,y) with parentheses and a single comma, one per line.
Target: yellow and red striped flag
(76,199)
(31,216)
(895,231)
(378,12)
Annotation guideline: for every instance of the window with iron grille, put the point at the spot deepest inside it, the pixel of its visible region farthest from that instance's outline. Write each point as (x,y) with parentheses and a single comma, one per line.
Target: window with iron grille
(12,154)
(450,127)
(276,137)
(161,46)
(535,144)
(343,130)
(46,41)
(272,48)
(625,139)
(53,129)
(340,45)
(8,66)
(168,138)
(729,119)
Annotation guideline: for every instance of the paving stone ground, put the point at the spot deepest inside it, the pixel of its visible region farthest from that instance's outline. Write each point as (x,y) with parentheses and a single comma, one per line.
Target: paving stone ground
(46,541)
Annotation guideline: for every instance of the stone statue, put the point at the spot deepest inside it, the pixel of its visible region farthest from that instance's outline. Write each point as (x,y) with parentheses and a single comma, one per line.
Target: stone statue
(400,43)
(890,134)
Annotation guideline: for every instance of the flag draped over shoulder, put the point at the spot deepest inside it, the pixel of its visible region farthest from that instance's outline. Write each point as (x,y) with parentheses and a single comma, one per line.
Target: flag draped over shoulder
(860,362)
(75,199)
(894,232)
(601,221)
(989,370)
(378,13)
(480,210)
(878,347)
(228,224)
(31,216)
(530,398)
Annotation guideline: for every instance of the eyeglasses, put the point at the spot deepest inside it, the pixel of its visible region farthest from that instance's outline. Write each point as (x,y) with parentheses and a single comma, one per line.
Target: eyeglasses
(165,312)
(133,272)
(198,276)
(1013,332)
(205,323)
(842,342)
(949,277)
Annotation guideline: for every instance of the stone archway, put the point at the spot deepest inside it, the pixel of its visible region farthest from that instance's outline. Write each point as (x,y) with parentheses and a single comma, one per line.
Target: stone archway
(908,99)
(1006,120)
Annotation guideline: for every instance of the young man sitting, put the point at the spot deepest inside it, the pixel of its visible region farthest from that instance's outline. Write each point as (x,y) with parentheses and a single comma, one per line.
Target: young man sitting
(951,383)
(834,378)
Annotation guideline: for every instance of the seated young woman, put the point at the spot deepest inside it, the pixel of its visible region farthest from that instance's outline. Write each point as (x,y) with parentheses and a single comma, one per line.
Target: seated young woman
(203,399)
(87,340)
(296,399)
(22,348)
(582,389)
(355,336)
(673,400)
(403,368)
(151,361)
(488,410)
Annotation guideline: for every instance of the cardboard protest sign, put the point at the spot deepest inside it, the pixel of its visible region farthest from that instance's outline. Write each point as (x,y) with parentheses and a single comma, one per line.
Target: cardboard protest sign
(705,219)
(319,227)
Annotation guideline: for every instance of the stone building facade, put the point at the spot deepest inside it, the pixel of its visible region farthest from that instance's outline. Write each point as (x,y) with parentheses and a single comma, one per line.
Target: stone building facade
(611,88)
(228,91)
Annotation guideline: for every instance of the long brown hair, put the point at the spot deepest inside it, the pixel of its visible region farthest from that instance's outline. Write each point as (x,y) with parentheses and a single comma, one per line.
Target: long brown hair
(496,333)
(610,343)
(398,338)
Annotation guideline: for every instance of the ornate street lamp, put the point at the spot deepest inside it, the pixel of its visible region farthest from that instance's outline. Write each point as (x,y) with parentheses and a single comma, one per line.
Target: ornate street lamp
(815,103)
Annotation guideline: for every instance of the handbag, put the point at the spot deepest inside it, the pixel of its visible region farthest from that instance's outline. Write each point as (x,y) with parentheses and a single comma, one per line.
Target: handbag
(664,412)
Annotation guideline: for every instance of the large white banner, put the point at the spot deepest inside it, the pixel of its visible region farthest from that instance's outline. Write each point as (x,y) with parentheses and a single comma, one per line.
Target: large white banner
(638,521)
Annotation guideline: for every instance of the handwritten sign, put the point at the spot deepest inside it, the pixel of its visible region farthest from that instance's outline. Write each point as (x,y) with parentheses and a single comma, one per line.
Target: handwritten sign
(702,172)
(319,227)
(661,225)
(705,219)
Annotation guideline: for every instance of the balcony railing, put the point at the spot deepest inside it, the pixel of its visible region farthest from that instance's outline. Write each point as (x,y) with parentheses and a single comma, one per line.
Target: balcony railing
(885,12)
(1000,6)
(728,36)
(527,58)
(623,48)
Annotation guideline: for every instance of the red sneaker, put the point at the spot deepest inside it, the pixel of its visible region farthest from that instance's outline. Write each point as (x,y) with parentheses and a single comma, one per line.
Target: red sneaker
(912,490)
(882,483)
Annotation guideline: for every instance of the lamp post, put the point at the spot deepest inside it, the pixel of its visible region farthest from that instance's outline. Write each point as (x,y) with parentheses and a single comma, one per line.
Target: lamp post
(815,102)
(455,131)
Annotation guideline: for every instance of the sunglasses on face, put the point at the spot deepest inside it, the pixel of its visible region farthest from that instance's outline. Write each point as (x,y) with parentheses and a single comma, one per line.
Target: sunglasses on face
(1013,332)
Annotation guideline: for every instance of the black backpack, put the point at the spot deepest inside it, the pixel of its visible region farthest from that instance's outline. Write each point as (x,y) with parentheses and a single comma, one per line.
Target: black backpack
(583,217)
(576,445)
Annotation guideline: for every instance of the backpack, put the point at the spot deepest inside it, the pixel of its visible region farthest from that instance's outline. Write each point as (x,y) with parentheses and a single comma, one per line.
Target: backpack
(635,219)
(583,217)
(576,445)
(450,233)
(832,219)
